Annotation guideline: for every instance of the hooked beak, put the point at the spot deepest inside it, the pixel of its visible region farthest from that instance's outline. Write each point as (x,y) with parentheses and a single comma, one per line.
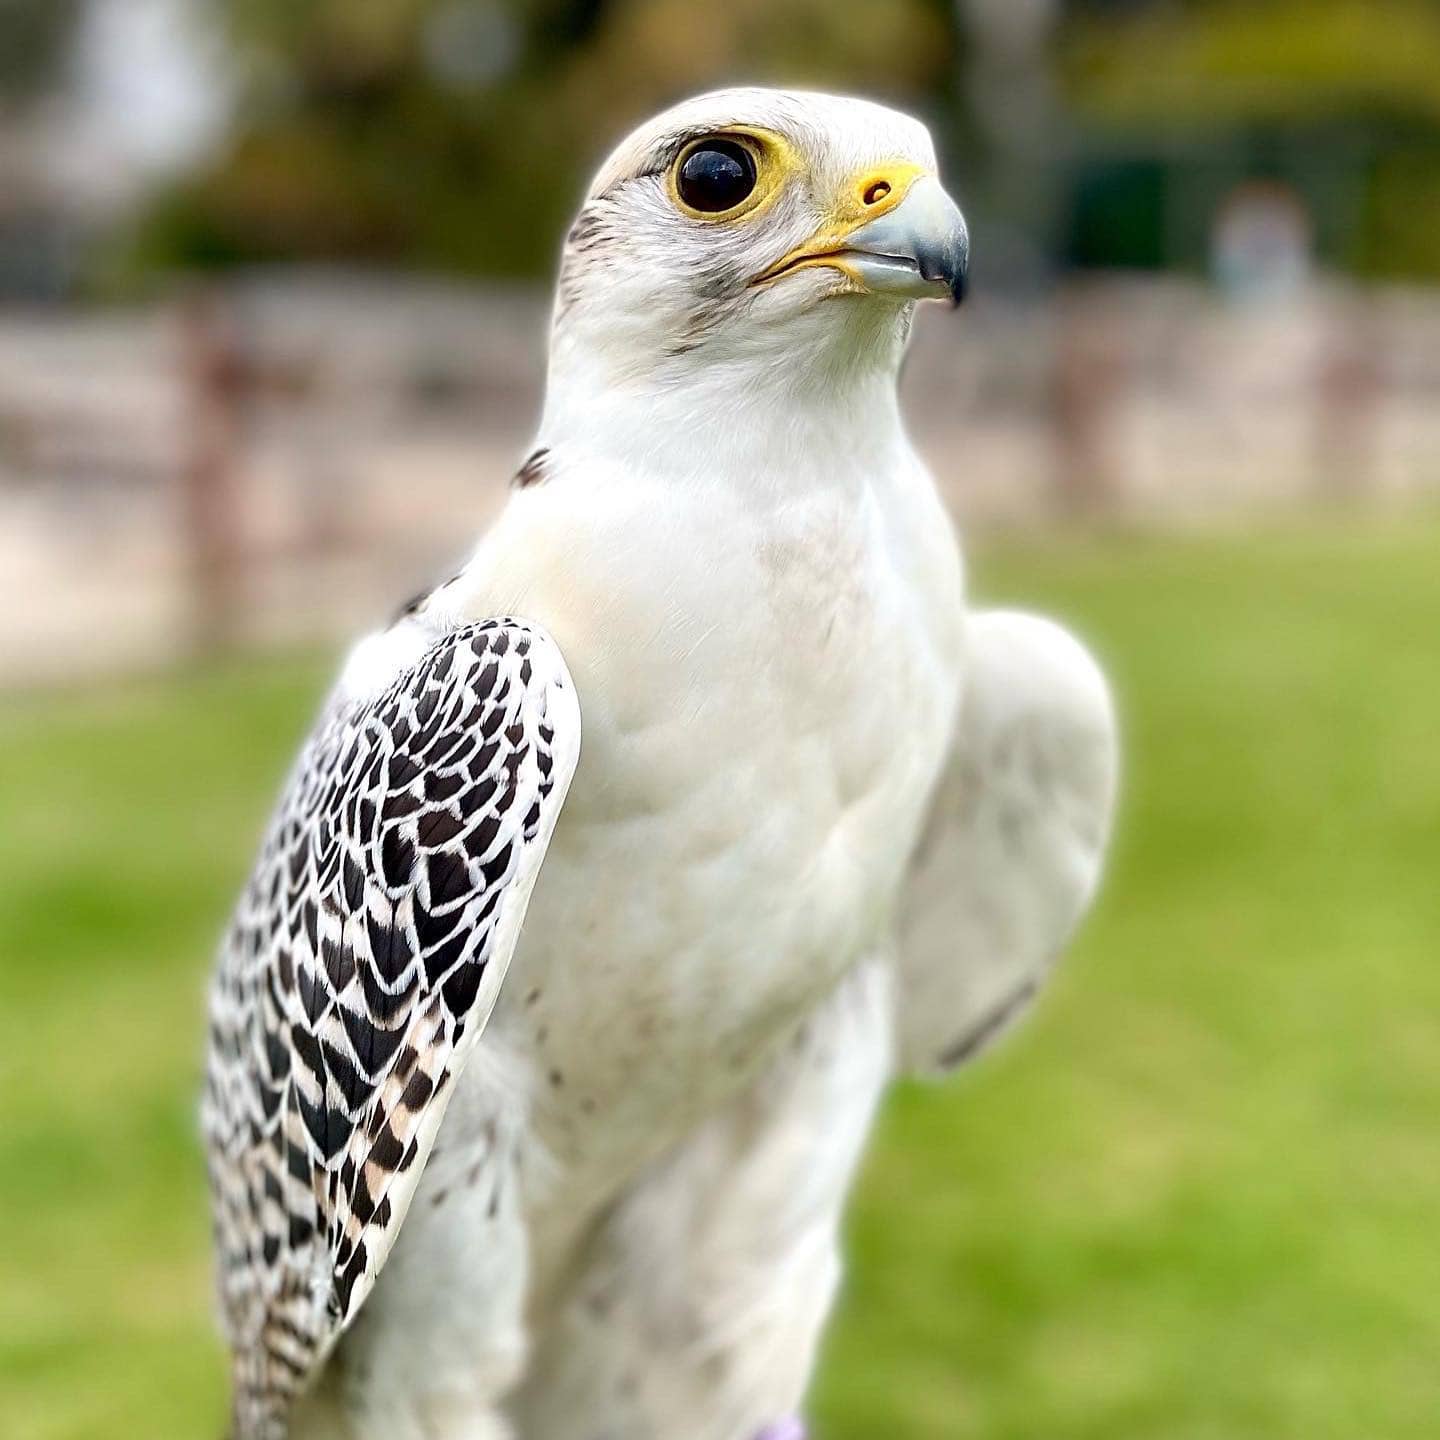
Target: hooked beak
(918,248)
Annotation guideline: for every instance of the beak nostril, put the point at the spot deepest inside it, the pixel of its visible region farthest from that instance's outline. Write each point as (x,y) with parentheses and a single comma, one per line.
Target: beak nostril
(876,192)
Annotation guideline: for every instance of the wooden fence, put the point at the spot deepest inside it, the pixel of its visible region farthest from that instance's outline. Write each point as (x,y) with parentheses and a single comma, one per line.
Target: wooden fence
(279,460)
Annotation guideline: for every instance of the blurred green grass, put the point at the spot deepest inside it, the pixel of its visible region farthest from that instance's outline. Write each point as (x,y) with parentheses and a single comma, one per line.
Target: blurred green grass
(1197,1198)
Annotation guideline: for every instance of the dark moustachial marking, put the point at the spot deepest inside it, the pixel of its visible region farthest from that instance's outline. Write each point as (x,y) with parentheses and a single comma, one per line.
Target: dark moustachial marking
(410,606)
(532,472)
(418,599)
(588,231)
(592,234)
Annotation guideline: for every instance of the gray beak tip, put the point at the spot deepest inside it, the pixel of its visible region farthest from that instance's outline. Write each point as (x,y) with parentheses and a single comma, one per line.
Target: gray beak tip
(928,230)
(960,282)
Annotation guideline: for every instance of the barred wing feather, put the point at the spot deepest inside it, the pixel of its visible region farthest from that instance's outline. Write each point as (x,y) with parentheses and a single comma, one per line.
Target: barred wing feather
(360,968)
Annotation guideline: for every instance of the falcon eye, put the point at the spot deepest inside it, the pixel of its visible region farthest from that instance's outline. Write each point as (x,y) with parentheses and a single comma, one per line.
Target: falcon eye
(715,176)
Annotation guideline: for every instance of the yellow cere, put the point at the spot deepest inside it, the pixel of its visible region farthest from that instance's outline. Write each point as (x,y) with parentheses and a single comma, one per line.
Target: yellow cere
(868,196)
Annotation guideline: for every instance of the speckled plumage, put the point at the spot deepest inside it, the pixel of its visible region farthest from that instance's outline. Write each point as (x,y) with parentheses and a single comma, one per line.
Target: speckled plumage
(359,969)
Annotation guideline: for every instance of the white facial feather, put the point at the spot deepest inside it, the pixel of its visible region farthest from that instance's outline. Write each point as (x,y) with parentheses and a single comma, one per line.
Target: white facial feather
(644,286)
(661,339)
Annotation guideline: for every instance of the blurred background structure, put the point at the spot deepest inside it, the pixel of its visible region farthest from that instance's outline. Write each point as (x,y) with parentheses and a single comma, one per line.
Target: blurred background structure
(273,290)
(273,276)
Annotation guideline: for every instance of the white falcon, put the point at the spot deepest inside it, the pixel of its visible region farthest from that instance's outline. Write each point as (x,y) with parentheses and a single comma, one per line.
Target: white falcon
(559,1151)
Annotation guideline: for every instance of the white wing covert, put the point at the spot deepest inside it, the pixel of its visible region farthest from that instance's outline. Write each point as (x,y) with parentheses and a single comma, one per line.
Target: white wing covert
(360,968)
(1012,851)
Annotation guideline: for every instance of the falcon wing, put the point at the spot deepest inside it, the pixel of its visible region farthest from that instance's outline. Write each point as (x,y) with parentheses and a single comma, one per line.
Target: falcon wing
(1013,847)
(358,973)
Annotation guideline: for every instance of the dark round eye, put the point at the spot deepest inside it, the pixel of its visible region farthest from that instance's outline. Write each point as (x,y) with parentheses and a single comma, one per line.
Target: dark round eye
(715,176)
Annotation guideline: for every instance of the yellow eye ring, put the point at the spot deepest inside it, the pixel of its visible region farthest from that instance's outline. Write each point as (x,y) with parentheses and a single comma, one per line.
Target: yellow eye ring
(708,164)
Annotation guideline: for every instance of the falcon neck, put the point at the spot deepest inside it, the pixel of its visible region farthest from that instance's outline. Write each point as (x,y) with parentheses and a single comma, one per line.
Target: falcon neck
(751,422)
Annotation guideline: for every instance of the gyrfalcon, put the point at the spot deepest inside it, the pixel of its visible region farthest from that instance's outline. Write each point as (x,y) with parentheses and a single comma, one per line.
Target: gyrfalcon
(539,1068)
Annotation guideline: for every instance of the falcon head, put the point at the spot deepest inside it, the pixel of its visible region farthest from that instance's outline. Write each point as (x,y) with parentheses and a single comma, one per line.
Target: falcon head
(758,227)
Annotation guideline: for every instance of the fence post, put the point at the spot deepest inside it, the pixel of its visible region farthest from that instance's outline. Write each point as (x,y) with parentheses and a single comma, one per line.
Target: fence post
(1348,391)
(1086,380)
(215,378)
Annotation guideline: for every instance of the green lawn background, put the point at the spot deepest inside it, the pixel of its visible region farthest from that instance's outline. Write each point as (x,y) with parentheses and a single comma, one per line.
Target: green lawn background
(1197,1198)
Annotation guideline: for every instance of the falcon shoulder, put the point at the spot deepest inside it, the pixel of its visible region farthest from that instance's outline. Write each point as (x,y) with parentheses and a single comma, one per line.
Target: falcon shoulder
(1013,846)
(359,970)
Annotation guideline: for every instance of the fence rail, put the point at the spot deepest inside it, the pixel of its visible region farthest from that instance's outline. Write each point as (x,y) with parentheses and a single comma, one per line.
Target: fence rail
(278,460)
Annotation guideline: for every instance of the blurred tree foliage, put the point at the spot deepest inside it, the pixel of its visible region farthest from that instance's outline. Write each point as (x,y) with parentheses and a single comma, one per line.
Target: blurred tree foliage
(35,36)
(1209,62)
(456,133)
(1341,98)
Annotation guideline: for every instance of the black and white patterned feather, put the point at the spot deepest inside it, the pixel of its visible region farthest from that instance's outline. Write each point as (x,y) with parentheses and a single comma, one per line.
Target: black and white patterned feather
(359,969)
